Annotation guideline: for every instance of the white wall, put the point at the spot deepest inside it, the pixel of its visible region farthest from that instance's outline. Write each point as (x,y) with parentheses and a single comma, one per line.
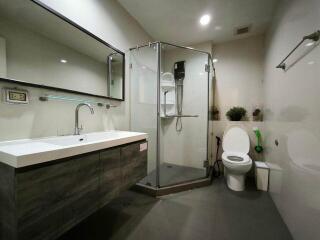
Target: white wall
(238,82)
(109,21)
(292,116)
(239,74)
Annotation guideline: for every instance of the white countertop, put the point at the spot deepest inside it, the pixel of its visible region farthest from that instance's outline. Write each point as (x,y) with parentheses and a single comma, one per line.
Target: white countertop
(25,152)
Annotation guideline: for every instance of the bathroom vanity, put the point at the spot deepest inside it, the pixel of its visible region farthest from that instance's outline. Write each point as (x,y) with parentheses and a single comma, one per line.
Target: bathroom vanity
(49,185)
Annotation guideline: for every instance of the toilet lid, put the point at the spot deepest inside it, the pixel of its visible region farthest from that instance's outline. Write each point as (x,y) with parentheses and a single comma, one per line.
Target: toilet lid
(236,139)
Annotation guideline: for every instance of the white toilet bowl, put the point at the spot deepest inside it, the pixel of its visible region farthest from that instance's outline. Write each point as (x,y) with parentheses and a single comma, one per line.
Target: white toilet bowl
(237,163)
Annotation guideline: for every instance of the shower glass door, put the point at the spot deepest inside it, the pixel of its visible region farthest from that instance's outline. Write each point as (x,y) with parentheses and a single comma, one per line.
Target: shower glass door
(143,103)
(183,119)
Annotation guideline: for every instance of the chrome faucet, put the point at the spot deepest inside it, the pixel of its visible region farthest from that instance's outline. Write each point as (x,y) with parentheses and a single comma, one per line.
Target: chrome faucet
(78,129)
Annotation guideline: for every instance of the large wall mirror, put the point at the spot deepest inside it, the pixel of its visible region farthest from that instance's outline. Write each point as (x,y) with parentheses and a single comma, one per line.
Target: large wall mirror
(40,47)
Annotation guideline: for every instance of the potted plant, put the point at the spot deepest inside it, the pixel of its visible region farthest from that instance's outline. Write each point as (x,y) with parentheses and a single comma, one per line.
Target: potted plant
(257,115)
(236,113)
(215,113)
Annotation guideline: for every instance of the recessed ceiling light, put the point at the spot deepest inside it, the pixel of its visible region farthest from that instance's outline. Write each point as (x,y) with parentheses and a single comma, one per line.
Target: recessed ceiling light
(205,19)
(217,28)
(309,44)
(214,60)
(63,61)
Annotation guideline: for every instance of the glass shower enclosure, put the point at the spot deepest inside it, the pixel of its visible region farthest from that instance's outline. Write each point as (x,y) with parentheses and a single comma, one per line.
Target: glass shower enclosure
(169,91)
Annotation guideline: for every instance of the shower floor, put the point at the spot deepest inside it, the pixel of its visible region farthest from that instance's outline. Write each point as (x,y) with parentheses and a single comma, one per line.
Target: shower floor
(172,174)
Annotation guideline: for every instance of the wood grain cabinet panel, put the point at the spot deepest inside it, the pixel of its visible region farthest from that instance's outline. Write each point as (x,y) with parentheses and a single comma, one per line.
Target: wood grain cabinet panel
(80,194)
(46,200)
(133,165)
(110,177)
(7,204)
(38,199)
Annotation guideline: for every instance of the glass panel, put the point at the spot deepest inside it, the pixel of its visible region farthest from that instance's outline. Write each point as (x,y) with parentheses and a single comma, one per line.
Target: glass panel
(212,114)
(184,115)
(143,94)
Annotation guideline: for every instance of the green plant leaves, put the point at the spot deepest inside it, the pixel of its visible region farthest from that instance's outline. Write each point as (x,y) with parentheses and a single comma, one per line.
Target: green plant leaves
(236,113)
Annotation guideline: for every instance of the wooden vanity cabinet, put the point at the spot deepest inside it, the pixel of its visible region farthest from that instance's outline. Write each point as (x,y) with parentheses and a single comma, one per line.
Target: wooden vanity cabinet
(45,200)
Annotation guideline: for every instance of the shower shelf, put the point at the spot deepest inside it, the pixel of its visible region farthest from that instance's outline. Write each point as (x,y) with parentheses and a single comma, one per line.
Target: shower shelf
(46,97)
(168,86)
(167,81)
(313,36)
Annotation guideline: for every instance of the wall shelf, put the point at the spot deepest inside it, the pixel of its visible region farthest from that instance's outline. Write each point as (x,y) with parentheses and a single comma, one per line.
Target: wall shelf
(45,98)
(313,36)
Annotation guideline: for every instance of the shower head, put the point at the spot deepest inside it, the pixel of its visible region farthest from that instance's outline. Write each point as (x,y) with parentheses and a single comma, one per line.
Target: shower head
(179,70)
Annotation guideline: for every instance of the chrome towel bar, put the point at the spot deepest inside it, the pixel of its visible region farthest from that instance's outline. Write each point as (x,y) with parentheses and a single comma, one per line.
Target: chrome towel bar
(182,116)
(313,36)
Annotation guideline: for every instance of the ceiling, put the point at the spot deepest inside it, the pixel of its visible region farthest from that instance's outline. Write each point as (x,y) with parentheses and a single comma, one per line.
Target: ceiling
(178,20)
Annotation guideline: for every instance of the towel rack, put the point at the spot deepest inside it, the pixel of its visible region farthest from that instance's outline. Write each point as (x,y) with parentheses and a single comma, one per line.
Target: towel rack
(45,98)
(313,36)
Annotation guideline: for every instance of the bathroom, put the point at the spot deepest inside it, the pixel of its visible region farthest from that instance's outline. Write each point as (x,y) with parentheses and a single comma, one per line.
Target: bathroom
(117,119)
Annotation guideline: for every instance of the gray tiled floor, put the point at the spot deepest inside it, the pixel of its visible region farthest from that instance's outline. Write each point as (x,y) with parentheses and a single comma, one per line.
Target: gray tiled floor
(212,212)
(174,174)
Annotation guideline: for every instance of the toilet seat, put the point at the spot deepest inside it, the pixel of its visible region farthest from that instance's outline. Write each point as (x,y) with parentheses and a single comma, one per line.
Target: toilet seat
(232,158)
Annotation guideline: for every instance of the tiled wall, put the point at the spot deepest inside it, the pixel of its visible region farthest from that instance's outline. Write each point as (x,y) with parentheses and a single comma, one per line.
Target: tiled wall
(292,116)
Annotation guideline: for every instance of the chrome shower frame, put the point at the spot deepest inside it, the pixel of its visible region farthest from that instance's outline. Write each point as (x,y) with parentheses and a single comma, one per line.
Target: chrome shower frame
(163,190)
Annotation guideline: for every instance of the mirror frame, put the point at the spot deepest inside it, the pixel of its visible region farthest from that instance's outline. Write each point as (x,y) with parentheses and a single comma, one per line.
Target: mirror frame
(67,20)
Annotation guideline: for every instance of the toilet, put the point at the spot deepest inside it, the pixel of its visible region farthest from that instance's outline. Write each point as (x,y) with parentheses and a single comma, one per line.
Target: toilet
(237,163)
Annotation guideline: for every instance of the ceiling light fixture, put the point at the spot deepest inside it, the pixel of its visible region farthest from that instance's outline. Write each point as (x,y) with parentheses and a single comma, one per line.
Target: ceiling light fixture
(214,60)
(205,19)
(63,61)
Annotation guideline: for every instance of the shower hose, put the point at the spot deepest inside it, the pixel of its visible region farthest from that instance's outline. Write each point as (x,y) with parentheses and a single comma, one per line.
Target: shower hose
(179,93)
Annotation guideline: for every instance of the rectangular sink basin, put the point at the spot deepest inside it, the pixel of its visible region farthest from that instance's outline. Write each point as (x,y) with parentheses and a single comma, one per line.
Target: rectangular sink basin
(66,141)
(21,153)
(88,138)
